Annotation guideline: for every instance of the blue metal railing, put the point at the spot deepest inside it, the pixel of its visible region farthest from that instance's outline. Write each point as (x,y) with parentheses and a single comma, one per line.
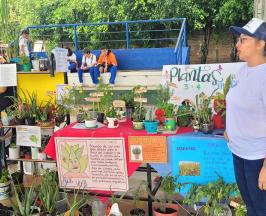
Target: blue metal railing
(129,33)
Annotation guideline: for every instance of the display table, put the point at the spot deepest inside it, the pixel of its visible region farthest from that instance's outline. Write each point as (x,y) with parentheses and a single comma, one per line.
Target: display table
(124,130)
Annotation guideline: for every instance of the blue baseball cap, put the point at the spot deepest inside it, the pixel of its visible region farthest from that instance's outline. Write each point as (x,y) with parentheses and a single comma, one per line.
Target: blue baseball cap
(254,28)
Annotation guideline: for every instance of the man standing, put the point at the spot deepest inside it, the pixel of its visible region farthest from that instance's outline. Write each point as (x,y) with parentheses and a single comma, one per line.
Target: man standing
(24,43)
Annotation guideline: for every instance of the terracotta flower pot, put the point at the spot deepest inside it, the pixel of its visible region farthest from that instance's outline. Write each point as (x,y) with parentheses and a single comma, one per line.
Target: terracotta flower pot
(68,213)
(173,210)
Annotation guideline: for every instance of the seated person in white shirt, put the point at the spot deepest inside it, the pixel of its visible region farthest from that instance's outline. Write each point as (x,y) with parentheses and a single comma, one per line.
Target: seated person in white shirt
(72,61)
(89,64)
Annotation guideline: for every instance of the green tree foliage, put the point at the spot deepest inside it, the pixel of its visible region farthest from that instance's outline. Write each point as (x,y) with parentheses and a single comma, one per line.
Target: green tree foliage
(207,15)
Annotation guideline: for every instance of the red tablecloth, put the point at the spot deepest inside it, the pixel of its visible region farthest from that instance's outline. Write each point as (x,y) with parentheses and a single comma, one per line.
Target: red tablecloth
(124,130)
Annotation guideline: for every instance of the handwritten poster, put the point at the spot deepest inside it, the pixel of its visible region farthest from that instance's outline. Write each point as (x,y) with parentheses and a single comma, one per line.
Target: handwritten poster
(200,159)
(28,135)
(60,55)
(62,90)
(8,75)
(92,163)
(148,149)
(186,81)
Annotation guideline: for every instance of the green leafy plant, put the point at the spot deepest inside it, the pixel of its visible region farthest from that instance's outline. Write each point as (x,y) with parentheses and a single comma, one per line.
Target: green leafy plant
(169,110)
(24,201)
(168,186)
(49,191)
(163,96)
(77,201)
(111,112)
(215,193)
(107,99)
(183,113)
(24,60)
(4,176)
(128,98)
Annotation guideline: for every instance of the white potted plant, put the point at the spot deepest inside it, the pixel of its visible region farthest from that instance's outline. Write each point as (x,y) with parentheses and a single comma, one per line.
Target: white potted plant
(90,122)
(14,151)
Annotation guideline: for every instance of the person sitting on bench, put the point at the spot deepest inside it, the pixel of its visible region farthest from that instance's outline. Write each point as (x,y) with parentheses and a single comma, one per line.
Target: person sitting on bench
(88,65)
(107,63)
(72,61)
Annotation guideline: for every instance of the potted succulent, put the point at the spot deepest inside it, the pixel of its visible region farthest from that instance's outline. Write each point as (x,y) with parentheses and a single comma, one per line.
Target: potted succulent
(215,196)
(136,211)
(111,117)
(166,207)
(76,203)
(112,207)
(14,151)
(204,113)
(49,193)
(25,202)
(5,183)
(81,114)
(150,124)
(138,117)
(129,100)
(18,109)
(7,116)
(90,121)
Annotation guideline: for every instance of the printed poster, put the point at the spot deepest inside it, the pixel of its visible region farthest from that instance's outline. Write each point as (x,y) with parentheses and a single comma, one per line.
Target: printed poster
(92,163)
(147,149)
(61,64)
(186,81)
(8,75)
(28,136)
(200,159)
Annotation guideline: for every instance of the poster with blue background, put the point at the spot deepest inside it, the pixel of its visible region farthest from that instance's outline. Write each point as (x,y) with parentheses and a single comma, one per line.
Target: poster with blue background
(198,158)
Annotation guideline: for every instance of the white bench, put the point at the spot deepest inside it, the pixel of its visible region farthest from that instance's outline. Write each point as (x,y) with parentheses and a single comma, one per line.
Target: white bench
(125,80)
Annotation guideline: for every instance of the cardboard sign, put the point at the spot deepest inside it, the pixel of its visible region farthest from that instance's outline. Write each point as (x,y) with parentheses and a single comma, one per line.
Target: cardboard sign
(147,149)
(140,100)
(8,75)
(61,64)
(96,94)
(200,159)
(186,81)
(92,163)
(28,136)
(141,90)
(119,103)
(92,99)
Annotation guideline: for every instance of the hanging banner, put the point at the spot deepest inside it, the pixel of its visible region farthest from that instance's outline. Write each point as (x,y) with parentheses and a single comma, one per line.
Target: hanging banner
(147,149)
(92,163)
(8,75)
(186,81)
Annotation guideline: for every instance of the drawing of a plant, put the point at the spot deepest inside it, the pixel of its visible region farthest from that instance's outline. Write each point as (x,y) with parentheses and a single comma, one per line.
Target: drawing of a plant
(34,139)
(72,159)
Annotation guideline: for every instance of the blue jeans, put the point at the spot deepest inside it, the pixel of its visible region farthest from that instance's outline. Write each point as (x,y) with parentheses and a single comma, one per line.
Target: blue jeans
(112,69)
(72,67)
(247,175)
(94,72)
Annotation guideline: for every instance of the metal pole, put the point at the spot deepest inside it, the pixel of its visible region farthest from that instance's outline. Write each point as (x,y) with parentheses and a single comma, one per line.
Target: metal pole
(127,35)
(75,38)
(150,188)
